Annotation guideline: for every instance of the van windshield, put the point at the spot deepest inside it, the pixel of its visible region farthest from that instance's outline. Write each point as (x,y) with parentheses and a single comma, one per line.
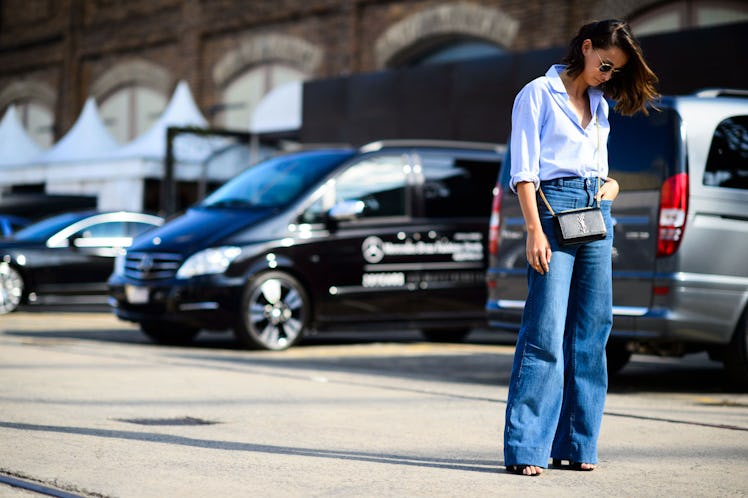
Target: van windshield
(278,181)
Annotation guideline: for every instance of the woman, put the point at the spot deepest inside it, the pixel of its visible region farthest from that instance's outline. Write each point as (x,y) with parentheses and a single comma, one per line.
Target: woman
(558,147)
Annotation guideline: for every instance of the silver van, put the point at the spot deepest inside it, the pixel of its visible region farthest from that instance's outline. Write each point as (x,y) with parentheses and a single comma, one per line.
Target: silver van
(680,276)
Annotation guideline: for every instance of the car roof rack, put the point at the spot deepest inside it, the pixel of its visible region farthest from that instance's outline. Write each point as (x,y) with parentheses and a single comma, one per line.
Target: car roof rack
(722,92)
(456,144)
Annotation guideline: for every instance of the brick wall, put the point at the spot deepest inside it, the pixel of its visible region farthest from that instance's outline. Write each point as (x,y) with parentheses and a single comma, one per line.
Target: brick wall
(69,44)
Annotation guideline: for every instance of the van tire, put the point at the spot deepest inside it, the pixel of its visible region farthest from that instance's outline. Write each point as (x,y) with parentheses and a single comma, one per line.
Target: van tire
(169,334)
(274,313)
(445,335)
(617,355)
(736,354)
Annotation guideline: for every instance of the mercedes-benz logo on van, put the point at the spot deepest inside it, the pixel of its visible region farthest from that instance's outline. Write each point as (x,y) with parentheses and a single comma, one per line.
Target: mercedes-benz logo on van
(373,249)
(145,264)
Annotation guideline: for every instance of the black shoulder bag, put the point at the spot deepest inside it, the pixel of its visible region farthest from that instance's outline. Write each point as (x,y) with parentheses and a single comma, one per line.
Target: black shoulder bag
(576,226)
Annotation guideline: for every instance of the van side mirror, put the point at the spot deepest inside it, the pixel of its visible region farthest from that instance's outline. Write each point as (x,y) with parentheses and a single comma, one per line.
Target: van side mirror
(346,210)
(343,211)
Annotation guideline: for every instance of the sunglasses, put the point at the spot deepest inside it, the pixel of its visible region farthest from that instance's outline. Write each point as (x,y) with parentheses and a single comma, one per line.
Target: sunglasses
(605,67)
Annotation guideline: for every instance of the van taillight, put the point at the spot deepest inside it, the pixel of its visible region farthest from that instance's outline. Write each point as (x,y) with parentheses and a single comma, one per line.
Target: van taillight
(495,223)
(673,211)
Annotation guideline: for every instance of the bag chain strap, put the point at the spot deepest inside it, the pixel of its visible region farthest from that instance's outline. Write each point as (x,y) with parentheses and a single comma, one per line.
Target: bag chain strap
(540,189)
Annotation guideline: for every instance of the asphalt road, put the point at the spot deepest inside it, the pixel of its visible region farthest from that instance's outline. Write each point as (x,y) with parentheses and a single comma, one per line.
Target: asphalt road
(88,407)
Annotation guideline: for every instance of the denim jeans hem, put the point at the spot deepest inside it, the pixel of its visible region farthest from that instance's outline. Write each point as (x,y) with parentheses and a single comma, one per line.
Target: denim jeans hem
(526,456)
(583,453)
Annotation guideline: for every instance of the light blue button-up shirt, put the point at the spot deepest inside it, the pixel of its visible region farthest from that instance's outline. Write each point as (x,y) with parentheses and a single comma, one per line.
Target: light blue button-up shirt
(548,140)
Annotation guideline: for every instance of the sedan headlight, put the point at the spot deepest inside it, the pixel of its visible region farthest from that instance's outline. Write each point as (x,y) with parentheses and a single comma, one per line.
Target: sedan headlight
(208,261)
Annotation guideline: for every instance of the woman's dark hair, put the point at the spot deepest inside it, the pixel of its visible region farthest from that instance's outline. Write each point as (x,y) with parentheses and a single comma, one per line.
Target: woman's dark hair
(634,87)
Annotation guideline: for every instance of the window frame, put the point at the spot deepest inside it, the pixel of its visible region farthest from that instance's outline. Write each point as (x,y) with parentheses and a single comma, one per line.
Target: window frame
(327,194)
(712,154)
(461,159)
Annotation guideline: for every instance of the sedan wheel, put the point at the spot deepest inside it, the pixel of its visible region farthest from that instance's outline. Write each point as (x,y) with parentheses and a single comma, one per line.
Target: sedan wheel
(276,312)
(11,288)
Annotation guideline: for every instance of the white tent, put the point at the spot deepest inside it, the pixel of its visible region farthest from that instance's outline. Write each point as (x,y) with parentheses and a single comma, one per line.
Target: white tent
(87,161)
(87,140)
(74,156)
(180,112)
(16,147)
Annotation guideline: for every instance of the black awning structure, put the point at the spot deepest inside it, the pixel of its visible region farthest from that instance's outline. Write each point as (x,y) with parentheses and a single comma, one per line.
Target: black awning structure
(472,100)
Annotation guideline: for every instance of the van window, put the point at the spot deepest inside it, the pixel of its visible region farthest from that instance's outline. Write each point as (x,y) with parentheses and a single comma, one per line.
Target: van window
(104,230)
(379,181)
(727,163)
(644,150)
(455,188)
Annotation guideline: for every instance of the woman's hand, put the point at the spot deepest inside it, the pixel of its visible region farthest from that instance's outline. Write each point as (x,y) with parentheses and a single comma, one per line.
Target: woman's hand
(608,190)
(538,251)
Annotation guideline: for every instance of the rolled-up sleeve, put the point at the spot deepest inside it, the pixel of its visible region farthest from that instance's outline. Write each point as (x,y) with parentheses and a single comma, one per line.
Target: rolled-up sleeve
(525,138)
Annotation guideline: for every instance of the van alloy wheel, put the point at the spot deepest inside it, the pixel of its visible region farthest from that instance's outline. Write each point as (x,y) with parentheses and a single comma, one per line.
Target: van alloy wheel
(275,312)
(11,288)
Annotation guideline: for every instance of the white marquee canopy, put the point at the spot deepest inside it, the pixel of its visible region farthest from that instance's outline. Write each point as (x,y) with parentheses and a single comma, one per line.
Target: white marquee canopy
(16,146)
(88,161)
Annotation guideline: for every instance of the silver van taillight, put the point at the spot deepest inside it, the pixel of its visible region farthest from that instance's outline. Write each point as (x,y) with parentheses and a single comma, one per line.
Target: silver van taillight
(673,211)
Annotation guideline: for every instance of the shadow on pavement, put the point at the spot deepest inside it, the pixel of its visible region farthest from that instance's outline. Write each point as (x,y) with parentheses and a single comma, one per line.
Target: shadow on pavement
(490,466)
(692,373)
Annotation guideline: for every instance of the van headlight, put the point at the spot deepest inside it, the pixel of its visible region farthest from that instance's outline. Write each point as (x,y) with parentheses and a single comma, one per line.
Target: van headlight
(208,261)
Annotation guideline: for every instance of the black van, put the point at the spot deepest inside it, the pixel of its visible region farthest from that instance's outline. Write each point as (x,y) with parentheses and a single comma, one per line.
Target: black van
(391,234)
(680,280)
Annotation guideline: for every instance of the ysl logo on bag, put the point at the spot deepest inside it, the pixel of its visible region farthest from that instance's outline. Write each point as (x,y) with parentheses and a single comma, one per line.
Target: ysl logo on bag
(582,224)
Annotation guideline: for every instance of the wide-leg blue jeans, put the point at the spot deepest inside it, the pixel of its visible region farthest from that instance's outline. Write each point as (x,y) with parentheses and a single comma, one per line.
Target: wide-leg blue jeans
(559,377)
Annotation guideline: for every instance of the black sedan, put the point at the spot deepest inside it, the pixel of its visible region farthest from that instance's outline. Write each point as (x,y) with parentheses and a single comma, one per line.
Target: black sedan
(68,255)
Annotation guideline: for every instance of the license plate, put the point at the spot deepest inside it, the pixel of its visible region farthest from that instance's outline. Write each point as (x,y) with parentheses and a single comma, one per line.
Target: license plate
(136,295)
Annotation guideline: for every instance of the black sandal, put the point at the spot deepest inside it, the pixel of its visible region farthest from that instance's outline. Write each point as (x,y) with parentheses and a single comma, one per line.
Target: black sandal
(520,470)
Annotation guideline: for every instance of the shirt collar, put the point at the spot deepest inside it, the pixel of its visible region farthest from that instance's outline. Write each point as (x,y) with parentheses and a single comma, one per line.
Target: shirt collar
(554,77)
(557,86)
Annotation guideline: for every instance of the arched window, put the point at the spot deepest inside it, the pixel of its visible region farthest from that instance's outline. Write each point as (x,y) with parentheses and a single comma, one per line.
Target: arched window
(447,51)
(244,92)
(35,102)
(38,121)
(130,110)
(447,32)
(682,14)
